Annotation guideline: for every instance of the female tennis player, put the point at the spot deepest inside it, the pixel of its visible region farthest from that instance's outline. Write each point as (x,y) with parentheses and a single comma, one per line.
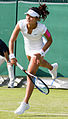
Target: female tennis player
(32,31)
(4,56)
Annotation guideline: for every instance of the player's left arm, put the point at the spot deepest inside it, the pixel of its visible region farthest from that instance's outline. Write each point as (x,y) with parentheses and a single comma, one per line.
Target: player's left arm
(49,40)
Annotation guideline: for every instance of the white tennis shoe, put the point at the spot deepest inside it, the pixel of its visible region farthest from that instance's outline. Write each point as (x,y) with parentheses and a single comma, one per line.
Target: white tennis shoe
(11,84)
(53,72)
(23,107)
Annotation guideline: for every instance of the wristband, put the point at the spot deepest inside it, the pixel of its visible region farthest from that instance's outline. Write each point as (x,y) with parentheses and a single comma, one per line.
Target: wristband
(42,52)
(11,56)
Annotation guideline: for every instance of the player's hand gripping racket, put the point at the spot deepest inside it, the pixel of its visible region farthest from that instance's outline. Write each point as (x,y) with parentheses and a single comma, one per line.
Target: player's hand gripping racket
(39,84)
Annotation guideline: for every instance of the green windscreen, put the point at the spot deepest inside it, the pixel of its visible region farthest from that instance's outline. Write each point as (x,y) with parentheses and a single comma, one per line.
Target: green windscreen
(7,24)
(57,23)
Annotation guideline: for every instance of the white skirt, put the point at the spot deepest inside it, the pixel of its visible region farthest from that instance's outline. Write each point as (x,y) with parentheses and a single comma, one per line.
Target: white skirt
(32,52)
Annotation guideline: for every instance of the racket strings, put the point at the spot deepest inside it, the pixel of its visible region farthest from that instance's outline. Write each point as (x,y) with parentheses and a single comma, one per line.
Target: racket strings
(40,85)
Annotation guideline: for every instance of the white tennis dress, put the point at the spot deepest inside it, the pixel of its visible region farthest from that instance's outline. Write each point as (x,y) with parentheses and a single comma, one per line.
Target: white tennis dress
(34,42)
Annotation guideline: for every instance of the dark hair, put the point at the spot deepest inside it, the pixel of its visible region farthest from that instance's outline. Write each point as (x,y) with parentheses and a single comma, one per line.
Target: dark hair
(41,10)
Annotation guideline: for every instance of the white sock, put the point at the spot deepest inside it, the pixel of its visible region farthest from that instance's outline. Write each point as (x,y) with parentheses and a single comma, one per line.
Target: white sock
(11,72)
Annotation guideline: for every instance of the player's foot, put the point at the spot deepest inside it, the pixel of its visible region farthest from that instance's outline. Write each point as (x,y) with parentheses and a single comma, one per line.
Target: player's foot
(53,72)
(11,84)
(23,107)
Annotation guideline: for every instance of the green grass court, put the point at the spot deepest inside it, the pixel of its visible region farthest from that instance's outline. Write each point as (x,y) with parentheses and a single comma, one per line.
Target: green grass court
(51,106)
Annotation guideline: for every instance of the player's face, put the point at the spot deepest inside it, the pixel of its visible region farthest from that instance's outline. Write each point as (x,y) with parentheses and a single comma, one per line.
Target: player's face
(30,19)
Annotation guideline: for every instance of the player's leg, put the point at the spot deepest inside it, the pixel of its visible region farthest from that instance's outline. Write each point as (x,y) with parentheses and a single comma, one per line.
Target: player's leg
(45,64)
(32,68)
(10,71)
(52,67)
(11,75)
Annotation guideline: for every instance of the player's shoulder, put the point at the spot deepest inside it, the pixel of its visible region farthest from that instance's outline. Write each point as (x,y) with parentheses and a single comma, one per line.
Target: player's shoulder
(22,21)
(41,26)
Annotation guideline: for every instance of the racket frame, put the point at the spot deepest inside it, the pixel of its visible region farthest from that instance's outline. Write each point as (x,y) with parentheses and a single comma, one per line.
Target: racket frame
(31,75)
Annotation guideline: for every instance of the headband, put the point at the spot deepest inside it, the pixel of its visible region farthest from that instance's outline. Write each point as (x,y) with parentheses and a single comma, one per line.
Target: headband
(32,13)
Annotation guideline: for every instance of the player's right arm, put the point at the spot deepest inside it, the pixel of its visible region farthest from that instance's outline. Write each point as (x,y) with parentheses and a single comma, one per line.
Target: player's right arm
(11,43)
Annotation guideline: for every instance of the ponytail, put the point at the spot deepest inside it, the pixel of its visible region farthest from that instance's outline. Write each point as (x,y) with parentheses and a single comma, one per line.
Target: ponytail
(43,10)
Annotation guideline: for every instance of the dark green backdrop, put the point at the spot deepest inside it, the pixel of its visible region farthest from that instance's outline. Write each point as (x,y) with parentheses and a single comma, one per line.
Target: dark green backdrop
(58,26)
(57,23)
(7,24)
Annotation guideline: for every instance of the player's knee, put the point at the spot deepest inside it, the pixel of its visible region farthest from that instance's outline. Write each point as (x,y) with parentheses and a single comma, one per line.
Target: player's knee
(32,71)
(36,61)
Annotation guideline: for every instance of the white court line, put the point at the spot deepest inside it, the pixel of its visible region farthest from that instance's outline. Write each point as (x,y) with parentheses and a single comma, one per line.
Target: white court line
(52,114)
(6,111)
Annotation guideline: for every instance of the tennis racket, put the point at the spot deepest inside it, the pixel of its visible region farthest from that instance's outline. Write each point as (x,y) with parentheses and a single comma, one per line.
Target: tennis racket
(39,84)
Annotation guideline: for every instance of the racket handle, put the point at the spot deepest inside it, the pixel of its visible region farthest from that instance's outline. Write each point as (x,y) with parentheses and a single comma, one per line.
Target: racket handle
(20,66)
